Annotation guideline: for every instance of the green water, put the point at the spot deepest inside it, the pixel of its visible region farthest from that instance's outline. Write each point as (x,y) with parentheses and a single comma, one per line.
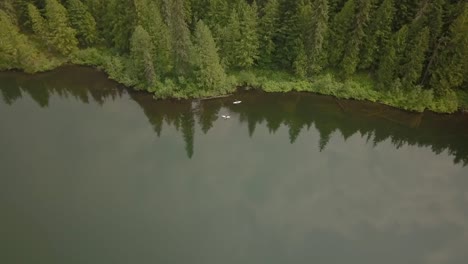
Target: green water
(93,173)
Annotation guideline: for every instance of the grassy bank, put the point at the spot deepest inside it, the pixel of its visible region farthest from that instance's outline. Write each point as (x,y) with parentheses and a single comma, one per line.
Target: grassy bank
(359,87)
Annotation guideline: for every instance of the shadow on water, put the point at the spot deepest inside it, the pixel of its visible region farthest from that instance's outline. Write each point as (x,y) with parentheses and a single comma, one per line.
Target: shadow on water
(298,112)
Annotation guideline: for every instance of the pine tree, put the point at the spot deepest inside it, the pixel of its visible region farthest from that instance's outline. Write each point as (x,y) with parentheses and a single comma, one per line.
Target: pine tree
(249,43)
(341,25)
(451,66)
(320,25)
(210,73)
(180,35)
(119,24)
(305,39)
(435,21)
(355,39)
(150,18)
(412,69)
(38,23)
(391,59)
(60,35)
(8,36)
(379,35)
(268,29)
(83,22)
(140,52)
(300,63)
(286,52)
(230,37)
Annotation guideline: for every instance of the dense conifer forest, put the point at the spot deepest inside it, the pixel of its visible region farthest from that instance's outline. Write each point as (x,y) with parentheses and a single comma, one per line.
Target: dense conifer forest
(405,53)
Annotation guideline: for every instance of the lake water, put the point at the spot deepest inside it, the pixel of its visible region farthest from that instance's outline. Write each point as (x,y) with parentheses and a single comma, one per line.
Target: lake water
(93,173)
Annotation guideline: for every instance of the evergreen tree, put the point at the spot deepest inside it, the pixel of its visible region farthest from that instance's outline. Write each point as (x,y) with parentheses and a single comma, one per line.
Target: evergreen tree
(268,29)
(180,35)
(305,39)
(249,42)
(210,73)
(59,33)
(341,25)
(313,20)
(83,22)
(391,59)
(435,21)
(54,29)
(355,40)
(38,23)
(411,70)
(8,45)
(119,24)
(230,37)
(300,63)
(140,52)
(150,18)
(451,66)
(379,35)
(320,25)
(286,52)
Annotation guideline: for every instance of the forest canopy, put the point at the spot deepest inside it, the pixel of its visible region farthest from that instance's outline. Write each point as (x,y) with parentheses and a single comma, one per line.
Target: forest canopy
(409,54)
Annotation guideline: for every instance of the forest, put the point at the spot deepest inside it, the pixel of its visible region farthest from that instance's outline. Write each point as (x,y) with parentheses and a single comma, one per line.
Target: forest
(404,53)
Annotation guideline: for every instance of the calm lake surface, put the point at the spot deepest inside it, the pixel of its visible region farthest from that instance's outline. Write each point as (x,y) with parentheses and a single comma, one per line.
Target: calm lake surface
(93,173)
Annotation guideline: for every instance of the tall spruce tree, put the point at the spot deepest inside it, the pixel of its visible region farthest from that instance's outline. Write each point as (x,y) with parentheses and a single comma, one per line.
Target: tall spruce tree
(450,69)
(268,30)
(142,62)
(176,16)
(415,53)
(391,59)
(341,25)
(210,74)
(150,18)
(60,34)
(249,43)
(119,24)
(320,24)
(230,37)
(378,36)
(355,39)
(83,22)
(38,23)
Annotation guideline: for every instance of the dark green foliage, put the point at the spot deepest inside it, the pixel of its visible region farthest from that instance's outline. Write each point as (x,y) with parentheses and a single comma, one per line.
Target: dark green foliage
(176,17)
(341,25)
(150,18)
(210,74)
(59,33)
(268,30)
(390,61)
(355,39)
(378,35)
(119,24)
(450,69)
(239,39)
(140,52)
(54,28)
(414,57)
(83,22)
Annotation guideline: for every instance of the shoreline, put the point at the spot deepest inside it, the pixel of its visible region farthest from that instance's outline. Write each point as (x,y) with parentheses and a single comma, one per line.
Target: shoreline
(259,84)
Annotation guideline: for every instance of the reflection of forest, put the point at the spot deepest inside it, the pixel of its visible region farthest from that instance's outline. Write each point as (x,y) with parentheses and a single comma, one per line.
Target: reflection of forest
(296,111)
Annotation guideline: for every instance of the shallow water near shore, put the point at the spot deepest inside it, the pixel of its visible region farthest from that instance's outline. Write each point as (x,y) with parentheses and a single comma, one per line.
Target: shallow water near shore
(91,172)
